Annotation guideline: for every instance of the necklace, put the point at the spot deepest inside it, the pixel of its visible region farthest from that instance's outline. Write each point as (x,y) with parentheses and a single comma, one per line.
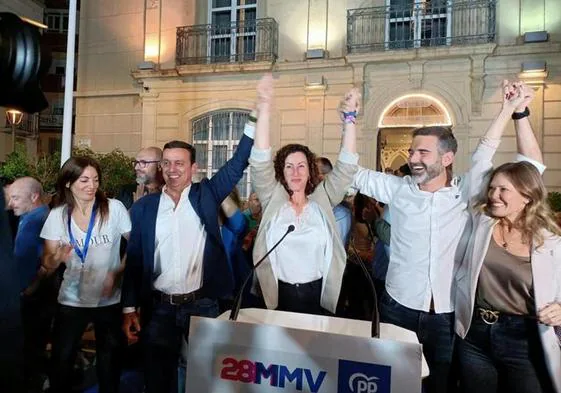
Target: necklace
(504,242)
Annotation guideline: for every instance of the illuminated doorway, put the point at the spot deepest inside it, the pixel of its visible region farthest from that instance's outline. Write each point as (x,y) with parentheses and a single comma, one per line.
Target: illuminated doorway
(398,121)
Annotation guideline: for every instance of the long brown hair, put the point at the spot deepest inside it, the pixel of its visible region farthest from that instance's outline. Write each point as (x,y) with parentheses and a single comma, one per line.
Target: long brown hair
(537,214)
(68,175)
(280,159)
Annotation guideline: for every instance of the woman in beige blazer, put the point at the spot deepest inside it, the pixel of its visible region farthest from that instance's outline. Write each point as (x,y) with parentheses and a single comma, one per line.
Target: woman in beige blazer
(508,297)
(304,273)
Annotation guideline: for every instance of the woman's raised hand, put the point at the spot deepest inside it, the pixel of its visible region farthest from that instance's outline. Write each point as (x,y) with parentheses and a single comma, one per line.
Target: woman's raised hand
(265,91)
(350,103)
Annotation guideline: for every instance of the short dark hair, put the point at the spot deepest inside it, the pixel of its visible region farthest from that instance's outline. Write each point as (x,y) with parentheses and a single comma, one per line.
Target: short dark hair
(446,140)
(325,163)
(182,145)
(280,159)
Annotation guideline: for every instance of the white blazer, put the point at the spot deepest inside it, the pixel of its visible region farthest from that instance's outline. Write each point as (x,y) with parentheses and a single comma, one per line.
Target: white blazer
(546,273)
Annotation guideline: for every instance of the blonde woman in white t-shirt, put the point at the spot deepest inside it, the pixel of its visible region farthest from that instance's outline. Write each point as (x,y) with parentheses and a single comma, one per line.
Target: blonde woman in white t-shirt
(84,231)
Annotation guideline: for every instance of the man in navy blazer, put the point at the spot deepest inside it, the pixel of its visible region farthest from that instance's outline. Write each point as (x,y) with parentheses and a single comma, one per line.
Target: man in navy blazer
(176,263)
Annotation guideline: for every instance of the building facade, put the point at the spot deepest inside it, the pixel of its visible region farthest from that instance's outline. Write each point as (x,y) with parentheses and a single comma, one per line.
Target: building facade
(55,38)
(154,70)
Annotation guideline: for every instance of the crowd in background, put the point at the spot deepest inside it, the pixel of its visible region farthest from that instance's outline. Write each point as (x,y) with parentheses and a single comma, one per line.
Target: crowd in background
(471,263)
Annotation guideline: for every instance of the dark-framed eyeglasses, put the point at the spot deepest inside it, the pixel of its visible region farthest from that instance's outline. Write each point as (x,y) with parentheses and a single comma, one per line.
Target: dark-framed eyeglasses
(144,163)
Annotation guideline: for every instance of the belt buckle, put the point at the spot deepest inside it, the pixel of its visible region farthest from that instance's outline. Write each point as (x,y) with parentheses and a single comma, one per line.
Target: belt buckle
(488,316)
(172,302)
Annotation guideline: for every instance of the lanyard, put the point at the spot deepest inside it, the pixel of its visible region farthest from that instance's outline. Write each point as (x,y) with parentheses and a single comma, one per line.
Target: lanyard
(84,252)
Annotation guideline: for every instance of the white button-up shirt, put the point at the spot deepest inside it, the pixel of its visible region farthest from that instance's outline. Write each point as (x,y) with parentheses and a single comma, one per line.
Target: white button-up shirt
(303,255)
(180,241)
(429,231)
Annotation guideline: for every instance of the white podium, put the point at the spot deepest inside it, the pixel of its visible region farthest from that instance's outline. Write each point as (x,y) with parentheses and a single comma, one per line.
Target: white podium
(273,351)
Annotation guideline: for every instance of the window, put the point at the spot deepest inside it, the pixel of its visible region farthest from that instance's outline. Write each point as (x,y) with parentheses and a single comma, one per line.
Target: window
(417,23)
(57,20)
(233,30)
(215,137)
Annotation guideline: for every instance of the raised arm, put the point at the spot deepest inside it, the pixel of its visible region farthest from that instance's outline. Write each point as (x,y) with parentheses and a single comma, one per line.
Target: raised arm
(263,107)
(262,171)
(525,139)
(348,110)
(513,97)
(340,179)
(482,158)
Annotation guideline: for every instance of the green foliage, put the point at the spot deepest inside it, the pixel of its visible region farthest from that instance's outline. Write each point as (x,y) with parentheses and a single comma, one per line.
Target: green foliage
(554,199)
(45,169)
(16,165)
(117,171)
(115,166)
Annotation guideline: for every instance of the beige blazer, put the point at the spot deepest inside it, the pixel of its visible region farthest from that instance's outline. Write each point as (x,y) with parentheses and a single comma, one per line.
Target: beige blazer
(328,194)
(546,273)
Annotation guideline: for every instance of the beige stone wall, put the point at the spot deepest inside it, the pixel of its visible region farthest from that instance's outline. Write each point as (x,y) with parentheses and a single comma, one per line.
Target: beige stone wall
(115,109)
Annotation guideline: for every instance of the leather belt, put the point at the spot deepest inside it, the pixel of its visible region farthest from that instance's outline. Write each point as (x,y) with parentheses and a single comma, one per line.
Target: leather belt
(490,317)
(176,299)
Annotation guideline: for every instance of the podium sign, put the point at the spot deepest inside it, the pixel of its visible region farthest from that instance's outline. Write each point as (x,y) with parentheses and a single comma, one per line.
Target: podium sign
(226,356)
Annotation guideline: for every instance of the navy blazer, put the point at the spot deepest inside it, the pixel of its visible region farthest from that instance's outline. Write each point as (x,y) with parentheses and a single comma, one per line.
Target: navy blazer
(206,198)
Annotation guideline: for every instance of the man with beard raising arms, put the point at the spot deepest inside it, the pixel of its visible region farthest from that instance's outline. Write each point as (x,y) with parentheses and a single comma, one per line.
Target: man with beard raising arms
(429,217)
(148,176)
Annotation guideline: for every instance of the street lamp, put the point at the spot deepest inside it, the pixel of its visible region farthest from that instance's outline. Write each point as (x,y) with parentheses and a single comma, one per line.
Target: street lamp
(14,118)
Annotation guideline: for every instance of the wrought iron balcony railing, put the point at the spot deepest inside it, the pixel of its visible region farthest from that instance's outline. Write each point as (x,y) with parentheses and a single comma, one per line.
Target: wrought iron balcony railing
(50,121)
(239,42)
(422,24)
(29,126)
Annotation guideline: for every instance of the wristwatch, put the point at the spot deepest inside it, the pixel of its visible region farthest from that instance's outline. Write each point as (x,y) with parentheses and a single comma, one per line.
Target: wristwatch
(521,115)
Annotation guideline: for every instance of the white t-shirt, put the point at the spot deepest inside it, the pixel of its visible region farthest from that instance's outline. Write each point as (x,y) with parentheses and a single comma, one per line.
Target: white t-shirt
(82,284)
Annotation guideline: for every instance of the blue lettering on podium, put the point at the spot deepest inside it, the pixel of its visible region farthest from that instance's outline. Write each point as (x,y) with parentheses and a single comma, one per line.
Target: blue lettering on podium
(271,373)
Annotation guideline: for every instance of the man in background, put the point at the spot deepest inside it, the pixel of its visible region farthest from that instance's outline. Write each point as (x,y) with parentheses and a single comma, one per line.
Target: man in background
(11,336)
(148,176)
(38,295)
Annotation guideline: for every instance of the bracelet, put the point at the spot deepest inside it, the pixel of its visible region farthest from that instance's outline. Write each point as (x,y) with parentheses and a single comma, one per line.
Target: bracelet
(349,117)
(521,115)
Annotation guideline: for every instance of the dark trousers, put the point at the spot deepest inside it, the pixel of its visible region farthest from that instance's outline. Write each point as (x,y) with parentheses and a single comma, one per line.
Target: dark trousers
(356,300)
(70,323)
(435,332)
(37,313)
(161,338)
(504,357)
(302,298)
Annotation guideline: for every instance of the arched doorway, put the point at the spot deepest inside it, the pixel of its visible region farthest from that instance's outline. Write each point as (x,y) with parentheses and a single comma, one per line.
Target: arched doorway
(397,122)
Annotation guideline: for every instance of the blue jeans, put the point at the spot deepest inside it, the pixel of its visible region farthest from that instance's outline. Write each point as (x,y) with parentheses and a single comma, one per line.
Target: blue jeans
(161,339)
(435,332)
(504,357)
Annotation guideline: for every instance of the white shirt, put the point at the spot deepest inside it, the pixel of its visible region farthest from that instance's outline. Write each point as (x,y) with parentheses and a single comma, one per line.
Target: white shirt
(304,254)
(179,248)
(429,232)
(82,286)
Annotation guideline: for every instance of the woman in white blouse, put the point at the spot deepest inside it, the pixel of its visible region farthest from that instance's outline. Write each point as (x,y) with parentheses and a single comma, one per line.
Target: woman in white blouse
(84,232)
(304,273)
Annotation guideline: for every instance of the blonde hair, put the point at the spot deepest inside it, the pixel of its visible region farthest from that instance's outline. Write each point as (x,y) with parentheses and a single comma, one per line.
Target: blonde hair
(536,215)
